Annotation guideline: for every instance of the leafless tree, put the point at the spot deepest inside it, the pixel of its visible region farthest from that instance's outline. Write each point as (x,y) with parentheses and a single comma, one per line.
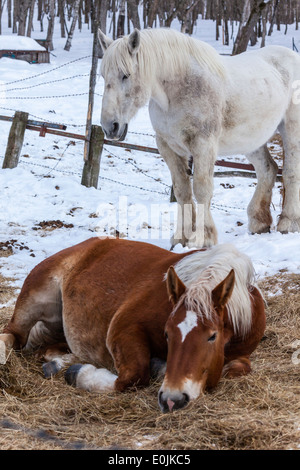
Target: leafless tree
(255,18)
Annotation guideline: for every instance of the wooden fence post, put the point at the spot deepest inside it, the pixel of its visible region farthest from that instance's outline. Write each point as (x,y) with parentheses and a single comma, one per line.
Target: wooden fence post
(93,77)
(15,140)
(91,168)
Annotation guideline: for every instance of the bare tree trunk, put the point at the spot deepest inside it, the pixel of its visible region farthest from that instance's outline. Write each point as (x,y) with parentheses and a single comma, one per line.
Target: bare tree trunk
(51,20)
(273,17)
(264,26)
(74,21)
(133,14)
(225,22)
(121,19)
(62,19)
(186,14)
(246,26)
(103,15)
(80,16)
(1,9)
(23,9)
(30,19)
(9,22)
(87,9)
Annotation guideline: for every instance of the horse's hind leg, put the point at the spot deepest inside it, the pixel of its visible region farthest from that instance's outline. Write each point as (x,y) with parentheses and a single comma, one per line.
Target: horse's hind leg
(289,220)
(37,318)
(57,356)
(259,213)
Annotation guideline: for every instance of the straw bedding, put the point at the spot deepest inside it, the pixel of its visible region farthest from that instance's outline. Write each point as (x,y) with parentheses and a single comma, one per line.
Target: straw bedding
(259,411)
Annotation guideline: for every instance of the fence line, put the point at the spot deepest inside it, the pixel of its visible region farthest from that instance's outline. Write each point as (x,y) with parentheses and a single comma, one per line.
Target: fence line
(219,207)
(43,119)
(91,170)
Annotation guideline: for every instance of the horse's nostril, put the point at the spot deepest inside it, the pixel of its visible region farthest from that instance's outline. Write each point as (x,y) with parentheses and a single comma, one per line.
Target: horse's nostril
(186,399)
(172,402)
(115,128)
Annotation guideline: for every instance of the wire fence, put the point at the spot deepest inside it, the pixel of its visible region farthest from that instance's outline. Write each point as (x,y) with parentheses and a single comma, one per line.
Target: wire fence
(48,170)
(3,86)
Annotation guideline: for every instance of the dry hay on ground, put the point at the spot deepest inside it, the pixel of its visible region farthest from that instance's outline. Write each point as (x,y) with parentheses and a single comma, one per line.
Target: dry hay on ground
(260,411)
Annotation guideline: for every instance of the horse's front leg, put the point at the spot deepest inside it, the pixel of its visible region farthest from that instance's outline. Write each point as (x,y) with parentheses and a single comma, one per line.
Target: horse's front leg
(180,174)
(131,354)
(203,186)
(237,367)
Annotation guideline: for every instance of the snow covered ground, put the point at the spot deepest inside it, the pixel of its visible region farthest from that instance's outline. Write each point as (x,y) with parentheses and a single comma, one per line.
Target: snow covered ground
(46,185)
(20,43)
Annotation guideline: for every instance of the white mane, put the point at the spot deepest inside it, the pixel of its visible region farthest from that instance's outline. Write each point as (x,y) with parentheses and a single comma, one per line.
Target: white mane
(202,271)
(166,48)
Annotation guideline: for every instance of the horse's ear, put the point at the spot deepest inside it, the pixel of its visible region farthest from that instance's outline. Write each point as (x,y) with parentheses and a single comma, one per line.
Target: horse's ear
(175,286)
(104,40)
(134,41)
(222,293)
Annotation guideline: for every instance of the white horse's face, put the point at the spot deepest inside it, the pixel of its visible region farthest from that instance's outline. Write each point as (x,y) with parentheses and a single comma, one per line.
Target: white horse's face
(123,94)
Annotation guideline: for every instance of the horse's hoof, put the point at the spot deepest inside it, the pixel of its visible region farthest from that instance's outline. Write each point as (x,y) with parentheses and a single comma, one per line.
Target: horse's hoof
(72,373)
(3,352)
(286,225)
(50,368)
(259,227)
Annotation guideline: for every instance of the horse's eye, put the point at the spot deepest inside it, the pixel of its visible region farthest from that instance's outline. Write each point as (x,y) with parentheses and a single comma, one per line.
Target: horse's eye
(166,335)
(212,337)
(125,77)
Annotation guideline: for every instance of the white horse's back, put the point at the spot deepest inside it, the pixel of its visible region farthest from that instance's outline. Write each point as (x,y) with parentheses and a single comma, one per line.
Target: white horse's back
(259,92)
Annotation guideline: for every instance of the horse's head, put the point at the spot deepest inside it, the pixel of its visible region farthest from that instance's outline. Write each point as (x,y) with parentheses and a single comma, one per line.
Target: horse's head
(124,92)
(195,344)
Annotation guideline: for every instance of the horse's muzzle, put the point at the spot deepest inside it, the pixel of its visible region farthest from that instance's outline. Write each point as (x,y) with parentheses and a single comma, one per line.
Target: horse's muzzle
(115,132)
(172,401)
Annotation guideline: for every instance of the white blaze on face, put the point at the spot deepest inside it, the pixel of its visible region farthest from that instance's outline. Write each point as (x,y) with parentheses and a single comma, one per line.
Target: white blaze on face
(188,323)
(193,389)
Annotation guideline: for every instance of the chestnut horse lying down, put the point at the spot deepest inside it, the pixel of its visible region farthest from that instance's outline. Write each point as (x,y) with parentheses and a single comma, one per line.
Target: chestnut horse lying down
(115,305)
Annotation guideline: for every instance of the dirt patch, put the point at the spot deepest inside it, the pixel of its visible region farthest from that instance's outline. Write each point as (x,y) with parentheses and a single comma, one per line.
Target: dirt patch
(259,411)
(50,225)
(7,248)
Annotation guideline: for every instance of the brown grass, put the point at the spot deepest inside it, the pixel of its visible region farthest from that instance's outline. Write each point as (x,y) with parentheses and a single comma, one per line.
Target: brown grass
(260,411)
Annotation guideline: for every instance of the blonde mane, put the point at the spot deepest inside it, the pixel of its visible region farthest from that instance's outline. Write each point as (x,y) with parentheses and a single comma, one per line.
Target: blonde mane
(202,271)
(163,48)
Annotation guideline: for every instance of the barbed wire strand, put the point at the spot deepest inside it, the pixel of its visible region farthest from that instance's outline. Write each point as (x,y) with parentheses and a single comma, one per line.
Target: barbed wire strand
(78,174)
(220,207)
(137,167)
(47,97)
(44,119)
(45,72)
(47,83)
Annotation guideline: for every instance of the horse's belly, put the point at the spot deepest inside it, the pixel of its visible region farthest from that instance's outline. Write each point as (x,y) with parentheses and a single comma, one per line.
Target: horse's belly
(252,131)
(244,143)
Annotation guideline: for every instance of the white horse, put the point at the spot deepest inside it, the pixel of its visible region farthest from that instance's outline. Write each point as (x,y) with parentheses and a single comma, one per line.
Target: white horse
(204,105)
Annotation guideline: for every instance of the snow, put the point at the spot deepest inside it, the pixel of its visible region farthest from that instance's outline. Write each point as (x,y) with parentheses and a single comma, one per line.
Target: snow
(133,188)
(19,43)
